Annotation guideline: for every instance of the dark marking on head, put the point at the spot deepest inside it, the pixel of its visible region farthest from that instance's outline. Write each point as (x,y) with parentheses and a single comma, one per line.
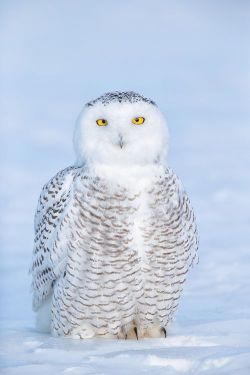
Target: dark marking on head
(120,97)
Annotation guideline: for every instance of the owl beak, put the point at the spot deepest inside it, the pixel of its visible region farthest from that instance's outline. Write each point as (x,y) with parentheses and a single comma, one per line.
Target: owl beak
(121,141)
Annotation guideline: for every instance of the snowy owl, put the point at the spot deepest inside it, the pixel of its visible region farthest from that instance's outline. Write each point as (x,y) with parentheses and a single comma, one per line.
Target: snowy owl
(115,234)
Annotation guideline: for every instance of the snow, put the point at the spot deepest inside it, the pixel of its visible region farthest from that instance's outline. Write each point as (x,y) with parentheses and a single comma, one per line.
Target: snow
(192,59)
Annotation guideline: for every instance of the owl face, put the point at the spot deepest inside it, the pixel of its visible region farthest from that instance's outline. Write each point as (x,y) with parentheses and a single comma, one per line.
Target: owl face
(121,132)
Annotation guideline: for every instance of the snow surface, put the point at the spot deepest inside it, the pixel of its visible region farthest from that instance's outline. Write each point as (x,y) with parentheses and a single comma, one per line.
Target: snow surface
(192,59)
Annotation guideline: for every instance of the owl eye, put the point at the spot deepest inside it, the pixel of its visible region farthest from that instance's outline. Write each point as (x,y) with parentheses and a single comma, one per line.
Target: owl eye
(102,122)
(138,120)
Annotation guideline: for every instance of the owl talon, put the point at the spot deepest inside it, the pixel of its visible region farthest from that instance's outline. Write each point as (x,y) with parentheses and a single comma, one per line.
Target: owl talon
(164,331)
(136,333)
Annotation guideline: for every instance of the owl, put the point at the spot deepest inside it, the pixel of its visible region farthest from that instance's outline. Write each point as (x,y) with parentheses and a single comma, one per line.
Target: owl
(115,234)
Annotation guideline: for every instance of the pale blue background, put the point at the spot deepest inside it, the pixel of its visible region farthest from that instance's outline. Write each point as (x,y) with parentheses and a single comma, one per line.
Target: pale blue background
(192,58)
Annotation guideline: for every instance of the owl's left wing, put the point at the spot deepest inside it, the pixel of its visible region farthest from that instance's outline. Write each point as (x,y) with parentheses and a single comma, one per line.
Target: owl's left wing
(181,236)
(183,226)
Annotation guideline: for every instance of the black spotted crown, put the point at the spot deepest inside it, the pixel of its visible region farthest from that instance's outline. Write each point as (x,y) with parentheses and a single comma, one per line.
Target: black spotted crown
(120,97)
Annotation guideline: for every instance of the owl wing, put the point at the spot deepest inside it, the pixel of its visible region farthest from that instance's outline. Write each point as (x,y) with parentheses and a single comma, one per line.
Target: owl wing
(183,223)
(50,250)
(182,237)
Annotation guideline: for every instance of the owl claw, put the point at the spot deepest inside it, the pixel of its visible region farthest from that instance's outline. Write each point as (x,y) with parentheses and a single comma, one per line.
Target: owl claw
(136,333)
(164,331)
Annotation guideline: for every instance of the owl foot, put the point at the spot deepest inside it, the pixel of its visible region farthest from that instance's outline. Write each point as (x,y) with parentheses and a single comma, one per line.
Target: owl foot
(154,331)
(128,332)
(136,332)
(85,331)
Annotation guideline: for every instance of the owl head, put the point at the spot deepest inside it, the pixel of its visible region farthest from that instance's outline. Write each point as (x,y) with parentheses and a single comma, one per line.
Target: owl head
(121,128)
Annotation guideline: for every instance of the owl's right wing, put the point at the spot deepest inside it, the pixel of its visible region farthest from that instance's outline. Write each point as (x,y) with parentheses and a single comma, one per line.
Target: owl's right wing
(50,244)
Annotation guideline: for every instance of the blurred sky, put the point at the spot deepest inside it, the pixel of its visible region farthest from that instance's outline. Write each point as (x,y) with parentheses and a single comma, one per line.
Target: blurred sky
(191,57)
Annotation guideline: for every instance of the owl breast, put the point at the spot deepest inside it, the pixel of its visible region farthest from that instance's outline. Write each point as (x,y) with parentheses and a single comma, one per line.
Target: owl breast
(120,265)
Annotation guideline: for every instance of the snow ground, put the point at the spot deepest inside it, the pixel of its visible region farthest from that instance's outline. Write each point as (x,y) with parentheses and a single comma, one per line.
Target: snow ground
(193,60)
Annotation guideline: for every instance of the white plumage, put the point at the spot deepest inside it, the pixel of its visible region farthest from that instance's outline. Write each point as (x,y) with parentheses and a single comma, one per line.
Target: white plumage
(115,234)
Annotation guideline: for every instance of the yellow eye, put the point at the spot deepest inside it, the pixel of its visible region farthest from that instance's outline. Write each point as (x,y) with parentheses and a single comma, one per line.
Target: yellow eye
(102,122)
(138,120)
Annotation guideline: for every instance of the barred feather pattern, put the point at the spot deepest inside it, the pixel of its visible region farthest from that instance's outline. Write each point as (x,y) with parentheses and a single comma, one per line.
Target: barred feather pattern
(110,255)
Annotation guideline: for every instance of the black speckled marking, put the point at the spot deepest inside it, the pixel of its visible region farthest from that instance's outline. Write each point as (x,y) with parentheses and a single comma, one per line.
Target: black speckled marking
(120,97)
